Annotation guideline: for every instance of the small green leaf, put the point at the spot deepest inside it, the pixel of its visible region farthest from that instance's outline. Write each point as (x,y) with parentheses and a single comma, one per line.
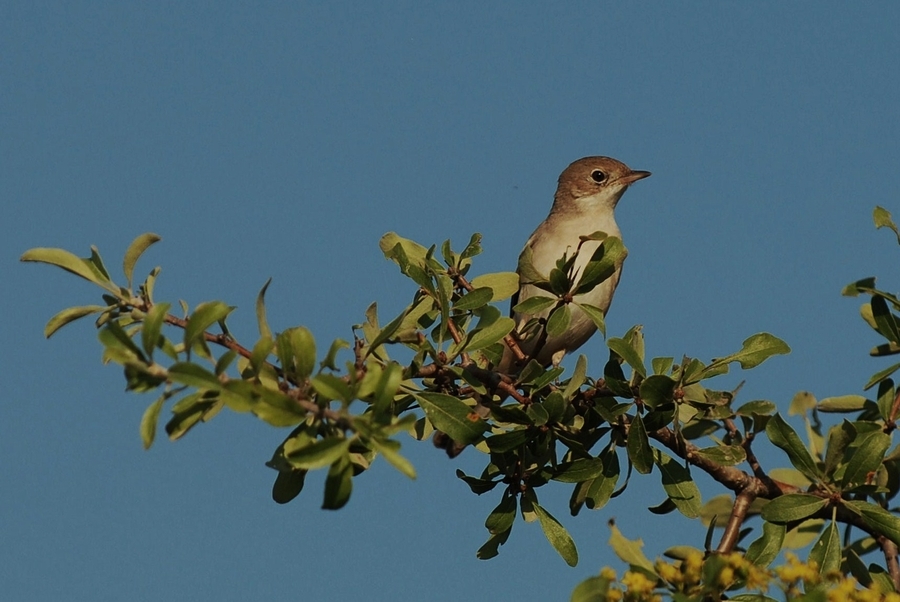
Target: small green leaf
(595,314)
(70,315)
(557,535)
(152,327)
(629,551)
(134,252)
(766,549)
(724,455)
(332,387)
(534,305)
(449,414)
(883,219)
(868,451)
(304,347)
(389,450)
(844,403)
(600,490)
(608,257)
(880,376)
(754,351)
(338,484)
(503,516)
(627,352)
(508,441)
(71,263)
(678,484)
(204,316)
(474,299)
(330,357)
(262,321)
(485,337)
(503,284)
(387,332)
(759,407)
(638,445)
(559,321)
(879,519)
(577,471)
(792,507)
(150,419)
(657,390)
(316,455)
(827,550)
(783,436)
(288,485)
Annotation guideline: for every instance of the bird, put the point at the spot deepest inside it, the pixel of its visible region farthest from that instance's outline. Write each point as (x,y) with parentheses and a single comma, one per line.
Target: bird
(585,203)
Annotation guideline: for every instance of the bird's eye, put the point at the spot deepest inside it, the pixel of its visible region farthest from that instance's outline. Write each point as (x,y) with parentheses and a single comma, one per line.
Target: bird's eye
(598,176)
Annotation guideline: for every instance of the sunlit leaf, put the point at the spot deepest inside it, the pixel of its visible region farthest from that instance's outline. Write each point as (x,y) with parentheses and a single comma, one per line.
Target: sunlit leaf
(134,252)
(450,415)
(557,535)
(783,436)
(792,507)
(70,315)
(678,484)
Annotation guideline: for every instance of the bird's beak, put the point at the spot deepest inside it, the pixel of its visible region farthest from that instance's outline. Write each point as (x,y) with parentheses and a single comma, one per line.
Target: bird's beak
(634,176)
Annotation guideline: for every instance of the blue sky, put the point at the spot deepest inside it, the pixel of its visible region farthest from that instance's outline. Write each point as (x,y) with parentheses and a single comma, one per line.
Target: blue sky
(283,139)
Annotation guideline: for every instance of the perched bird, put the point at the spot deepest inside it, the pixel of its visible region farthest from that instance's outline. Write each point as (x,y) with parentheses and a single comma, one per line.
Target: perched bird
(585,201)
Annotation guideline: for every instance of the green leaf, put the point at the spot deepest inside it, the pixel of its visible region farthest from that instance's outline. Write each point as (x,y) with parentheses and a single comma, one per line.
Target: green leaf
(759,407)
(473,248)
(766,549)
(204,316)
(503,516)
(724,455)
(262,321)
(638,445)
(389,450)
(387,332)
(491,547)
(508,441)
(879,519)
(338,484)
(600,490)
(134,252)
(332,387)
(885,321)
(71,263)
(449,414)
(557,535)
(288,485)
(525,269)
(474,299)
(330,357)
(316,455)
(792,507)
(755,351)
(150,419)
(595,314)
(487,336)
(844,403)
(783,436)
(883,219)
(70,315)
(629,551)
(503,284)
(534,305)
(826,552)
(627,352)
(304,347)
(559,321)
(678,484)
(583,469)
(657,390)
(412,251)
(608,257)
(868,452)
(880,376)
(152,327)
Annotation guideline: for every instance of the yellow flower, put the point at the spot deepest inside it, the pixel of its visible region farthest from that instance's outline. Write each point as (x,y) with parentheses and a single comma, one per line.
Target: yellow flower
(637,583)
